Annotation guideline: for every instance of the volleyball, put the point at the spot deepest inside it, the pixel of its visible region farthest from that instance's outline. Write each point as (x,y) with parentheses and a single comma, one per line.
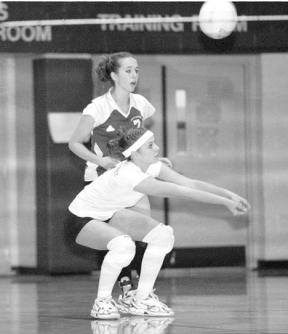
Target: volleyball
(217,18)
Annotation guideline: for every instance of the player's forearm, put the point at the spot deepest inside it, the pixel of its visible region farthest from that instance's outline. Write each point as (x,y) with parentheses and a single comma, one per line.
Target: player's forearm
(82,152)
(204,186)
(177,191)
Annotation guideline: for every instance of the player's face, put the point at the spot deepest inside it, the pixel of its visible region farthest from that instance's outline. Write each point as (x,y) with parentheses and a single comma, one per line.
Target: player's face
(127,75)
(149,151)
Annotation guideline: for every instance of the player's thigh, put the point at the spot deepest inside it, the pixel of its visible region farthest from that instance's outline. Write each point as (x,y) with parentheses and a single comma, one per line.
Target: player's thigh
(133,223)
(143,206)
(96,234)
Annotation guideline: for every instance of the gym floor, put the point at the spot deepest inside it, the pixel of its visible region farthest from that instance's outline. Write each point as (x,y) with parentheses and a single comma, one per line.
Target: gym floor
(220,300)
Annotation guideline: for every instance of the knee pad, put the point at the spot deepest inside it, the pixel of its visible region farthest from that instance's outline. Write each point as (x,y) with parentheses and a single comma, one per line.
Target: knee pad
(161,236)
(121,250)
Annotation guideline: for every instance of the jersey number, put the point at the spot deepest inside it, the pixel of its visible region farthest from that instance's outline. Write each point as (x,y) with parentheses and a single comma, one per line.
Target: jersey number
(137,122)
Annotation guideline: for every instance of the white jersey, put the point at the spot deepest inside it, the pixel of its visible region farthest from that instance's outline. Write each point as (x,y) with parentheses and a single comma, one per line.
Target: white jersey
(108,118)
(112,191)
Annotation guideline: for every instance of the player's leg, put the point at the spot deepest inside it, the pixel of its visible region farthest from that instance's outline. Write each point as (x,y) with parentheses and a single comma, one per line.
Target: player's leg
(125,278)
(121,250)
(160,241)
(143,206)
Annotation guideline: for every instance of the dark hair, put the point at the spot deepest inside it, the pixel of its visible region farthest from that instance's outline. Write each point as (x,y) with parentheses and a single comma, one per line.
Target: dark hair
(125,138)
(110,63)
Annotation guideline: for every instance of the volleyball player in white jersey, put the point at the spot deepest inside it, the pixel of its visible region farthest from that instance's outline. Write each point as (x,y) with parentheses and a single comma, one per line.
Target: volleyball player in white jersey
(105,220)
(100,120)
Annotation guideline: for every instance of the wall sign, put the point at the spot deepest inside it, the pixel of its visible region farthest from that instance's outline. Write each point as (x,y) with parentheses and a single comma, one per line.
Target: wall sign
(143,36)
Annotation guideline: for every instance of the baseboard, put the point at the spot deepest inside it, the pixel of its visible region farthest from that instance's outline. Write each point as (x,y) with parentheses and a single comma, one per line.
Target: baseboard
(274,264)
(21,270)
(228,256)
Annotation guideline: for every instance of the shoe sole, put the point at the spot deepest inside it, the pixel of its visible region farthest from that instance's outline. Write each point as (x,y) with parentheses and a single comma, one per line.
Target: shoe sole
(105,316)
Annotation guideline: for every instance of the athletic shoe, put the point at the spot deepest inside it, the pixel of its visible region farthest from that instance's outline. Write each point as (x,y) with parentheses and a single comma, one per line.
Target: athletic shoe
(105,308)
(124,301)
(150,306)
(153,296)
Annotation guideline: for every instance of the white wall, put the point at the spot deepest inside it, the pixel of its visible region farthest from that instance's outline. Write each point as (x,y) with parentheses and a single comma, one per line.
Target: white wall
(25,162)
(6,160)
(275,155)
(17,220)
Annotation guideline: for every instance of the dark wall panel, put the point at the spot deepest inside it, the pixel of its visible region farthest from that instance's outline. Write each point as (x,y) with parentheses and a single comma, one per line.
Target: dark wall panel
(60,86)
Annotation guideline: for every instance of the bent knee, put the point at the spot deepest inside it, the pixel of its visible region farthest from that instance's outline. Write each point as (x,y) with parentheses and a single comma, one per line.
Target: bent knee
(161,236)
(122,248)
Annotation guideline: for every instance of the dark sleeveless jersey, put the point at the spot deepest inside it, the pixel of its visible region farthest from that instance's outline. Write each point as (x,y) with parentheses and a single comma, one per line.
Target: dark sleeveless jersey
(108,130)
(109,118)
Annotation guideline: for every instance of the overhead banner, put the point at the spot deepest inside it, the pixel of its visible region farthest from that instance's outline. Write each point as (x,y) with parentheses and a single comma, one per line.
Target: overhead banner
(46,29)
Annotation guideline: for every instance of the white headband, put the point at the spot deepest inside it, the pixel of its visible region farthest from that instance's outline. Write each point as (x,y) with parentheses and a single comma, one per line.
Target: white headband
(138,143)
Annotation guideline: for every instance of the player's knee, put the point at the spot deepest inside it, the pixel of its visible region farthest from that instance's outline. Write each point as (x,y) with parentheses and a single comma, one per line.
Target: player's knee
(161,236)
(121,250)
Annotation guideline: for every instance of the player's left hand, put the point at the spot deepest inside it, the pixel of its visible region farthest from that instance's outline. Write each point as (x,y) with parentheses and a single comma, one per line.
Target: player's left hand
(242,202)
(166,161)
(235,208)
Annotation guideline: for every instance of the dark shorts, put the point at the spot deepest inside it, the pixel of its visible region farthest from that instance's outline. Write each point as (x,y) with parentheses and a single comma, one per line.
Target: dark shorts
(74,224)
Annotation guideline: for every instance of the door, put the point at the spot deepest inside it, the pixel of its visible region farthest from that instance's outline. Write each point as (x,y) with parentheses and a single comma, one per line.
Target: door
(206,105)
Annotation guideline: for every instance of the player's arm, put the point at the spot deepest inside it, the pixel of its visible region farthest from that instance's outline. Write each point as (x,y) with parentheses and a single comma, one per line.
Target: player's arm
(170,175)
(80,136)
(154,187)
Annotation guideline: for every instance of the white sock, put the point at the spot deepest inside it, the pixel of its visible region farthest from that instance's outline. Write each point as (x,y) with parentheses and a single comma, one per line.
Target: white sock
(160,241)
(151,264)
(107,279)
(121,252)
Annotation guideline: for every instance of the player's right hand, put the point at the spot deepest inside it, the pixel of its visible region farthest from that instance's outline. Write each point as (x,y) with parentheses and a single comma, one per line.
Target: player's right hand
(108,162)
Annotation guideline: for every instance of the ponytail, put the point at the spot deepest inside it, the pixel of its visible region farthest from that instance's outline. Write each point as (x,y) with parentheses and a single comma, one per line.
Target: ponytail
(110,63)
